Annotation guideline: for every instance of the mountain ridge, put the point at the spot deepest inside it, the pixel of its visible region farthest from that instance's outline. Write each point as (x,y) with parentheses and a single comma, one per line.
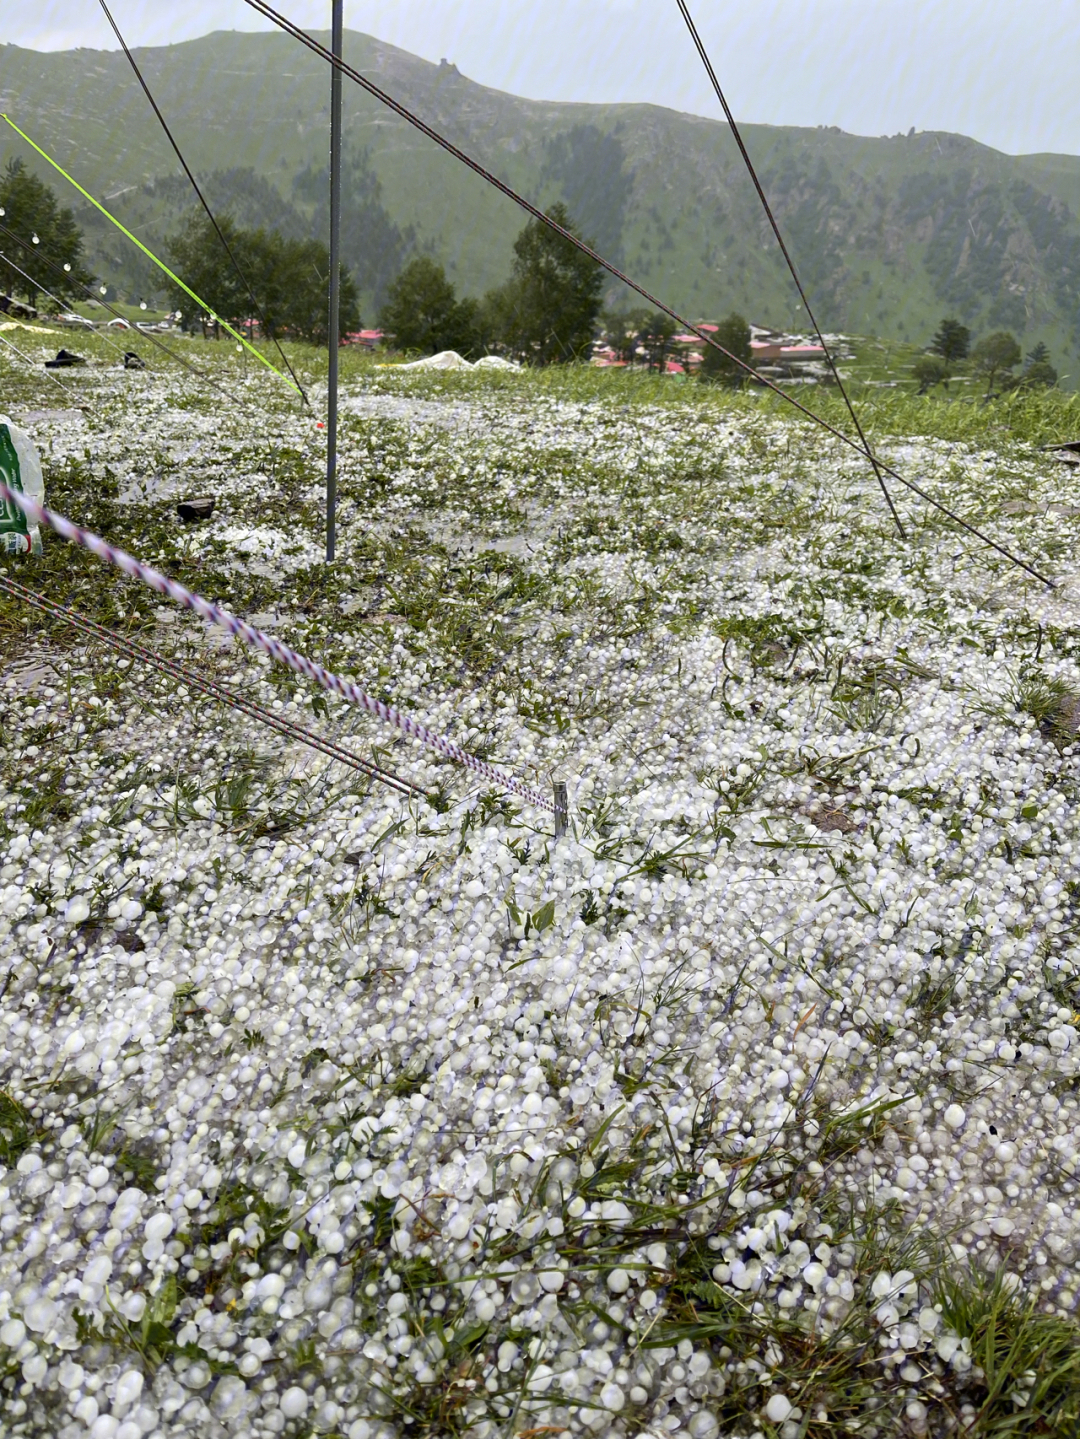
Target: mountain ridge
(889,233)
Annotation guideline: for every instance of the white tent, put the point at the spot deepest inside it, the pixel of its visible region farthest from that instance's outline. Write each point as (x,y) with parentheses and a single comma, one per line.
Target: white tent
(451,360)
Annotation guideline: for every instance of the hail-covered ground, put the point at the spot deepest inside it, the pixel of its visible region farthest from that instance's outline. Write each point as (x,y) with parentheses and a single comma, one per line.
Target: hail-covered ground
(748,1107)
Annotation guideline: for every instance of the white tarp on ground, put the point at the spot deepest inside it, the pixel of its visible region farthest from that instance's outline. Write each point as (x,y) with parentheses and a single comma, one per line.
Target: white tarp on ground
(451,360)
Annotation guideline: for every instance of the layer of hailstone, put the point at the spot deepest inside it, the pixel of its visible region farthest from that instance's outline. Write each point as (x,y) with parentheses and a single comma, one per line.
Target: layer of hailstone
(349,1041)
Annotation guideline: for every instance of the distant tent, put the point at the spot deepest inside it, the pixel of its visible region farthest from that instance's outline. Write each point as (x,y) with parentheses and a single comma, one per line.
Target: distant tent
(451,360)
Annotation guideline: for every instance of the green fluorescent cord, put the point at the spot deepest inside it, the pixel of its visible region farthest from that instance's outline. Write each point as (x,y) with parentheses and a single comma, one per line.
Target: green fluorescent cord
(150,255)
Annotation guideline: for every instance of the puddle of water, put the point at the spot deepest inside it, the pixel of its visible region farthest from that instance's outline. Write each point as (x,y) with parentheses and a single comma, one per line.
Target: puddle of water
(462,543)
(29,673)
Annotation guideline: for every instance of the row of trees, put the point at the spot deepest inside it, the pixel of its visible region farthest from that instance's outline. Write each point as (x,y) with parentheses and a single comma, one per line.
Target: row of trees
(994,358)
(545,313)
(290,279)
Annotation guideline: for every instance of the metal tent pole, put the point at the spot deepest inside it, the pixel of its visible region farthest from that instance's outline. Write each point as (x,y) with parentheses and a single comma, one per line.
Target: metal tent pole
(335,280)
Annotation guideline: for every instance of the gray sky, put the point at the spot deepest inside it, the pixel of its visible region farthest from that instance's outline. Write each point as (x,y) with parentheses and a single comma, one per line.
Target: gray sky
(1002,71)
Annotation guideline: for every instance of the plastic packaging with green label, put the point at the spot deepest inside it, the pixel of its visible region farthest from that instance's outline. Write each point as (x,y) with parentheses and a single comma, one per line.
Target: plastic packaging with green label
(20,469)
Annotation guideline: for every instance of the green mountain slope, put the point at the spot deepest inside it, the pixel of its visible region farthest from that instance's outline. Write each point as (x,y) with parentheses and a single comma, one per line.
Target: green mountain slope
(889,234)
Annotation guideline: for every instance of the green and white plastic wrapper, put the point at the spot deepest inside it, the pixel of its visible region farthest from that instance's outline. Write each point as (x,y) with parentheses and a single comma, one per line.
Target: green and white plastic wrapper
(20,469)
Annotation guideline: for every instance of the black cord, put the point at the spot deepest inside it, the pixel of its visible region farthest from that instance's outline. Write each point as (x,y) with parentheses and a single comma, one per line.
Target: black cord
(202,200)
(784,251)
(372,89)
(208,686)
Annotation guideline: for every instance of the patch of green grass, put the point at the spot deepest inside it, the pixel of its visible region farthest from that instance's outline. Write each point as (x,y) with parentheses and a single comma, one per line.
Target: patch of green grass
(18,1130)
(843,1133)
(1051,701)
(1025,1375)
(138,1164)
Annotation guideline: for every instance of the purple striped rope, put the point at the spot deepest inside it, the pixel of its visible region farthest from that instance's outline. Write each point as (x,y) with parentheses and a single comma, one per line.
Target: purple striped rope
(215,615)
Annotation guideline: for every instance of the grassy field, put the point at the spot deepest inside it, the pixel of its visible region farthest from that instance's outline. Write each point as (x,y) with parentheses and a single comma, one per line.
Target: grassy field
(747,1108)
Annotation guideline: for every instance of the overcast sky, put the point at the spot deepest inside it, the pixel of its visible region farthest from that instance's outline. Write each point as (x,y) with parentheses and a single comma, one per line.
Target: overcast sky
(1002,71)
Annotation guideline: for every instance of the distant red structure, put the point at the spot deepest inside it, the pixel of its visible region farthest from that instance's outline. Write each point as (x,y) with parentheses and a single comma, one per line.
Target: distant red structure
(771,352)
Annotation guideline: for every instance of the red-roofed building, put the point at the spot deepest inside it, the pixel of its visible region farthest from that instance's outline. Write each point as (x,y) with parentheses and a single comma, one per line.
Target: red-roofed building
(771,352)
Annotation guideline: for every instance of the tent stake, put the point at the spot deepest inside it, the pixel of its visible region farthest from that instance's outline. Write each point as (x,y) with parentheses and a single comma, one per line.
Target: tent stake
(562,810)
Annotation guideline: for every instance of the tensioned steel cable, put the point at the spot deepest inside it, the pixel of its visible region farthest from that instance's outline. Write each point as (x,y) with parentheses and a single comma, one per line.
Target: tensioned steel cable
(146,334)
(683,7)
(211,687)
(267,11)
(283,653)
(202,201)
